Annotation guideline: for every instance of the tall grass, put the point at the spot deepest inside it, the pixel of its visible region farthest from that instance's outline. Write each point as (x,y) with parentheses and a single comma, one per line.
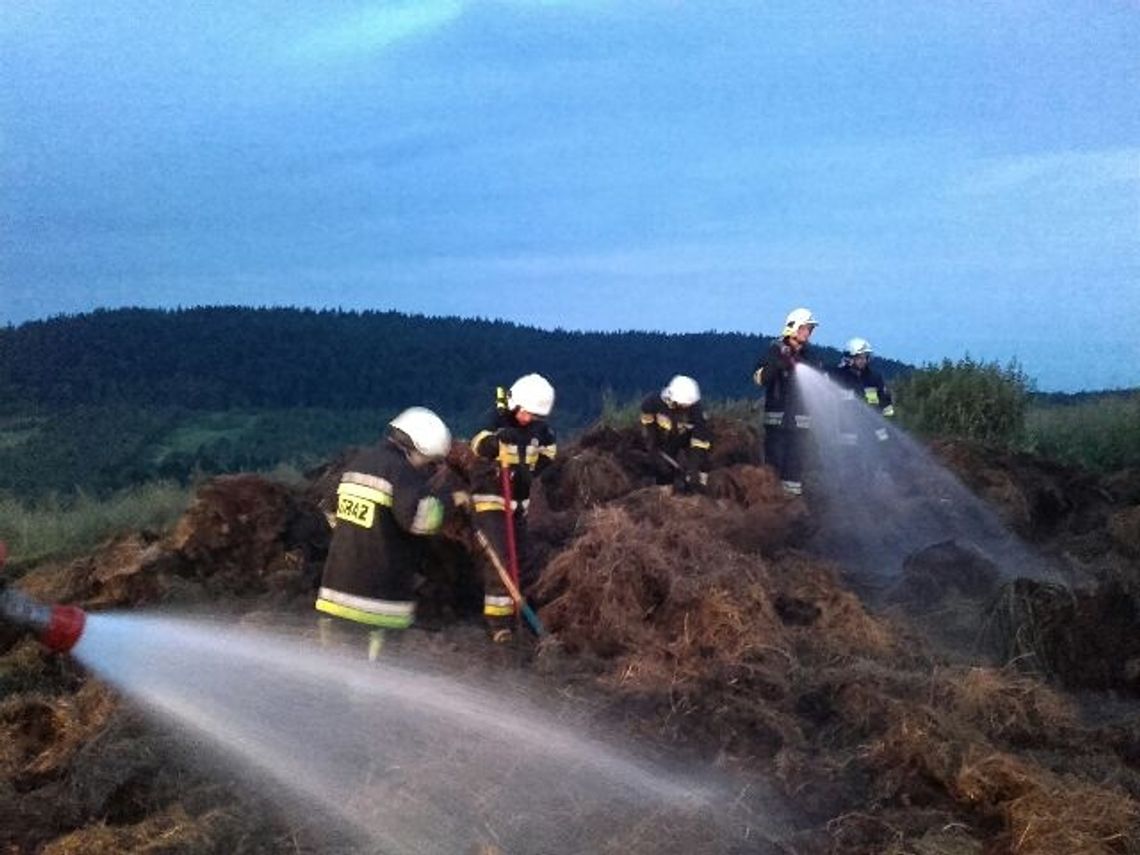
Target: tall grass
(620,415)
(1102,434)
(62,528)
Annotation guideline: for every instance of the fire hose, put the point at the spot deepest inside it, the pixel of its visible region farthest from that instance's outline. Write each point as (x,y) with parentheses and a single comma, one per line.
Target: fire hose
(58,628)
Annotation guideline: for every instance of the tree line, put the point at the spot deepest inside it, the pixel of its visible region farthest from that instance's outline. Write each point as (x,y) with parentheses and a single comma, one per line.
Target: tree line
(217,358)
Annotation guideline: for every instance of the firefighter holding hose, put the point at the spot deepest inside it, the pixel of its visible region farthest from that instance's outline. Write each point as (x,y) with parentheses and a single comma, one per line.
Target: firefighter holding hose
(787,424)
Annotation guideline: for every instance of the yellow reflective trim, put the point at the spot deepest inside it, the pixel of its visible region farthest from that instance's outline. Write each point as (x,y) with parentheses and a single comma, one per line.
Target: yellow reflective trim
(482,502)
(700,443)
(647,418)
(871,394)
(497,611)
(429,516)
(548,450)
(664,422)
(367,618)
(369,494)
(479,437)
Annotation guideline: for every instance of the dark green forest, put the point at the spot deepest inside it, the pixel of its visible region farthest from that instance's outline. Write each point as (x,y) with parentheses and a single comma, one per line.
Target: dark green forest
(220,358)
(104,400)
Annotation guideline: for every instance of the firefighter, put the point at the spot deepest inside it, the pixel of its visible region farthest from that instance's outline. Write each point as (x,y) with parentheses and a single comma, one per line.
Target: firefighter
(385,506)
(515,437)
(858,381)
(857,431)
(677,435)
(786,421)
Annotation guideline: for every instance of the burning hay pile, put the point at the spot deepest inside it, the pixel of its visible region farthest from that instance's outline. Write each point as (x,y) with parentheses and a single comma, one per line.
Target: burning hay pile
(702,621)
(760,654)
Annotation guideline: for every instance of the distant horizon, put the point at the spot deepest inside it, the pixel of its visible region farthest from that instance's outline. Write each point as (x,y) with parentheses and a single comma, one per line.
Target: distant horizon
(537,327)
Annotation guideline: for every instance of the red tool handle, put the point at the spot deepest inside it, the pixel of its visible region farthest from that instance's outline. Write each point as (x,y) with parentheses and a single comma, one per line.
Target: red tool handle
(509,522)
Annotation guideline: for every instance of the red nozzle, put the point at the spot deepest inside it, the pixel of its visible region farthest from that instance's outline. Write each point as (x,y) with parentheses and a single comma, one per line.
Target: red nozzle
(63,629)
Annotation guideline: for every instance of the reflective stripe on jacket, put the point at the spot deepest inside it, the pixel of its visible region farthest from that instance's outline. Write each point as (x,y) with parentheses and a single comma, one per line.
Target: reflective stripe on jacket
(384,506)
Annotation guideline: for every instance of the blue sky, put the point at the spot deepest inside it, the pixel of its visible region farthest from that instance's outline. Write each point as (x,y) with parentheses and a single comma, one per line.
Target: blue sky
(939,178)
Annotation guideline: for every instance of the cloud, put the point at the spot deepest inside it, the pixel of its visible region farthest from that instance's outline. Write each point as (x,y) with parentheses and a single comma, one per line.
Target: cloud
(1064,170)
(377,27)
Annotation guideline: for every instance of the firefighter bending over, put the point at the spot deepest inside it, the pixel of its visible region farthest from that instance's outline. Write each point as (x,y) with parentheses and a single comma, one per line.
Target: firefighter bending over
(677,435)
(786,421)
(384,508)
(517,437)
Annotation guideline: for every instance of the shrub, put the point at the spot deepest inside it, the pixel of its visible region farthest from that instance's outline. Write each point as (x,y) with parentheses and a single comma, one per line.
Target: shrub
(1100,433)
(967,399)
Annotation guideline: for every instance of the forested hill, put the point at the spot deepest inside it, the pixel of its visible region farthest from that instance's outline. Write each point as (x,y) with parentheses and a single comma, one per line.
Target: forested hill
(226,357)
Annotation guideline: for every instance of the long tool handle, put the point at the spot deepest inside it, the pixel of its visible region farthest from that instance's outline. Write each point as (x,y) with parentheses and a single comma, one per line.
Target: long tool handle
(668,459)
(509,521)
(508,583)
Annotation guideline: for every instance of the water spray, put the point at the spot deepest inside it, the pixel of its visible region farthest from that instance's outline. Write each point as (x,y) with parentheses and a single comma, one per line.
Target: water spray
(58,628)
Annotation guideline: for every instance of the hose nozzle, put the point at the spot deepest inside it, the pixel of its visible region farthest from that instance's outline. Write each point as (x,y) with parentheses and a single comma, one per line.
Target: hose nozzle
(57,627)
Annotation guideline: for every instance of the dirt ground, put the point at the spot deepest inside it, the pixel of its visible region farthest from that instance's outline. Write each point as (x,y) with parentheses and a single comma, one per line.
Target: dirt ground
(703,622)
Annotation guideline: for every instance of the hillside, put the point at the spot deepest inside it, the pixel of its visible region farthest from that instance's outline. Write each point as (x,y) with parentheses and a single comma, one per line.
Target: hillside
(225,357)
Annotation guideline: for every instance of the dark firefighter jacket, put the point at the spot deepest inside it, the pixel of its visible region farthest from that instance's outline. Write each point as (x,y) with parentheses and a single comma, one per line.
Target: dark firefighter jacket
(384,504)
(775,372)
(526,449)
(671,429)
(866,385)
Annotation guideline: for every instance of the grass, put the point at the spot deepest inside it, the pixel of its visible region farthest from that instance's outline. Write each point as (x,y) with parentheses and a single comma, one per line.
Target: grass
(63,528)
(1101,434)
(618,415)
(205,428)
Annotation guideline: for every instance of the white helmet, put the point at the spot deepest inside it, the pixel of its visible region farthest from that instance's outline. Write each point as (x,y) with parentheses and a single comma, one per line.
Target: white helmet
(427,432)
(682,391)
(798,318)
(858,347)
(532,393)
